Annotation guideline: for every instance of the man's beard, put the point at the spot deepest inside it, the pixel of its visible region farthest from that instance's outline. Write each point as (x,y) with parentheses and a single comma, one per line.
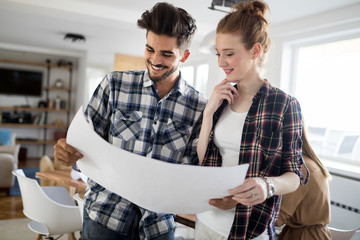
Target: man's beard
(164,76)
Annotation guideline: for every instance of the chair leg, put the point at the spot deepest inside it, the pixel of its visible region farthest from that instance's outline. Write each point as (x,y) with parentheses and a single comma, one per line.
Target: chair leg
(72,236)
(38,237)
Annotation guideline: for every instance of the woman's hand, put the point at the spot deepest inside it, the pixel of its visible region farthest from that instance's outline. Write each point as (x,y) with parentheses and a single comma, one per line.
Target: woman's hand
(223,91)
(253,191)
(65,153)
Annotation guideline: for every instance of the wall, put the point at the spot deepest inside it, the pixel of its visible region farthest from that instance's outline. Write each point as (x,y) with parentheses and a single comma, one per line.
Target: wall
(334,24)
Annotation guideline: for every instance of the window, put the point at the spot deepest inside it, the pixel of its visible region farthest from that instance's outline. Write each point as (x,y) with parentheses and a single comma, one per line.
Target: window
(188,74)
(94,77)
(202,77)
(201,72)
(327,83)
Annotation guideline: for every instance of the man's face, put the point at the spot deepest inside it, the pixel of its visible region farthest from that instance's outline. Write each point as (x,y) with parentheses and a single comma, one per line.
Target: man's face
(162,57)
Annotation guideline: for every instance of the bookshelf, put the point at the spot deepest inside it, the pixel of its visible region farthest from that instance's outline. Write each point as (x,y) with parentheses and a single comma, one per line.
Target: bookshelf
(40,115)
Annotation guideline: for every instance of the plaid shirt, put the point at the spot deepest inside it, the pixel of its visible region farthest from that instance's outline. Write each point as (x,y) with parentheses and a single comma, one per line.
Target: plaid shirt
(271,144)
(126,111)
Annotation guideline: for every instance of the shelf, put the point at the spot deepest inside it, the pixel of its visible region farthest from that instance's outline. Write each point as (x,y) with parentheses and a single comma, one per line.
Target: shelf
(23,62)
(14,108)
(43,114)
(36,64)
(35,142)
(58,89)
(31,125)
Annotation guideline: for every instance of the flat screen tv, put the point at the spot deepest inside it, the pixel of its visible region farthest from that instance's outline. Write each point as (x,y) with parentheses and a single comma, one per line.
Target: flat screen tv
(21,82)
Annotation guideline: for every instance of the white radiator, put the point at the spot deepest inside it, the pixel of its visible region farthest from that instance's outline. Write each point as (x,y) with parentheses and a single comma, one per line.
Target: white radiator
(345,203)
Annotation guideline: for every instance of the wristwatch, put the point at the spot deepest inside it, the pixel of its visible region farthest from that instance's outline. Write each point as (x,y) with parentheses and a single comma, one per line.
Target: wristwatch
(270,187)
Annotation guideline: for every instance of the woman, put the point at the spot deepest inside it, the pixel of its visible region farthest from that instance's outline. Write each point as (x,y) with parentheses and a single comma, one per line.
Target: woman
(251,122)
(306,212)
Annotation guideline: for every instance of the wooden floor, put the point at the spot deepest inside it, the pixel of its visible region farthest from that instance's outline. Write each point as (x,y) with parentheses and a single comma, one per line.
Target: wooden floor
(11,207)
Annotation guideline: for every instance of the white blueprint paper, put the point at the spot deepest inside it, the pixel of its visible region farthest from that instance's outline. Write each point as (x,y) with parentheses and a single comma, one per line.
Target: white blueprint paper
(152,184)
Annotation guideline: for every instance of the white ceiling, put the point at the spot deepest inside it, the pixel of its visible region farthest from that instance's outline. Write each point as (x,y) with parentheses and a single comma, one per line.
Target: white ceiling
(110,25)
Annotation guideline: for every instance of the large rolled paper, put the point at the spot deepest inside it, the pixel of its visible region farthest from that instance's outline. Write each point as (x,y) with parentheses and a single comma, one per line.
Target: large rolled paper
(149,183)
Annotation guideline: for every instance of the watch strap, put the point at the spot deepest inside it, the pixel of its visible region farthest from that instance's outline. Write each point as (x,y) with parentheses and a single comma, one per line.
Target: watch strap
(268,186)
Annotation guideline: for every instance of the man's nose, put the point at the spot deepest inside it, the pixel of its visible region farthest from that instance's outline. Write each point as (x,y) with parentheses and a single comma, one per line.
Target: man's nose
(156,58)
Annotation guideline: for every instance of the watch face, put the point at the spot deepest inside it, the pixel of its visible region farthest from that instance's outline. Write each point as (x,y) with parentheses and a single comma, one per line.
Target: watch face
(271,190)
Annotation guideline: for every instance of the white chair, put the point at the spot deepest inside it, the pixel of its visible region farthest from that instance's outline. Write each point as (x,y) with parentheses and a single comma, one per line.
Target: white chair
(347,146)
(80,203)
(338,234)
(356,151)
(51,209)
(333,139)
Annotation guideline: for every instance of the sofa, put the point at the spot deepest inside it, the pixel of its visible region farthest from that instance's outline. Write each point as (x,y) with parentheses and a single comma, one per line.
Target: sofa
(8,162)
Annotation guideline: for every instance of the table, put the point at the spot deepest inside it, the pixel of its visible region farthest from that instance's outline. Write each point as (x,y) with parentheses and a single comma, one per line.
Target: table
(63,177)
(186,219)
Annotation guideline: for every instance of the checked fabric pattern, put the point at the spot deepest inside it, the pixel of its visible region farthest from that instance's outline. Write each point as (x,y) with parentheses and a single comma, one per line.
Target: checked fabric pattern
(127,112)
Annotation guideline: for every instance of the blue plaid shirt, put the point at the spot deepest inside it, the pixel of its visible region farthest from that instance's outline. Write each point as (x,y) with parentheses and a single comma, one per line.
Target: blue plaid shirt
(127,111)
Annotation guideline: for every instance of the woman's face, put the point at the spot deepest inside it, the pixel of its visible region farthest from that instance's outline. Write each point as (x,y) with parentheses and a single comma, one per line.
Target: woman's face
(236,61)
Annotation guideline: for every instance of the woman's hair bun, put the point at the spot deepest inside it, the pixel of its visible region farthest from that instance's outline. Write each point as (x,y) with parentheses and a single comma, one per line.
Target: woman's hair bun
(254,8)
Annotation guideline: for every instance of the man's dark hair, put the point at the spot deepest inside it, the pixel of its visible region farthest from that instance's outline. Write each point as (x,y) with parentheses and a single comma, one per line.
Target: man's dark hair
(165,19)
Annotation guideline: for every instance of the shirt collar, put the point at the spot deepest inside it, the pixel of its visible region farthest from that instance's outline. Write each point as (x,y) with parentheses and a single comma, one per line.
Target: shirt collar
(180,85)
(147,80)
(265,89)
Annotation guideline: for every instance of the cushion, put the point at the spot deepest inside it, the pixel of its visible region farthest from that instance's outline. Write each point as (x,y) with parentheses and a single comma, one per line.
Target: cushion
(5,137)
(8,149)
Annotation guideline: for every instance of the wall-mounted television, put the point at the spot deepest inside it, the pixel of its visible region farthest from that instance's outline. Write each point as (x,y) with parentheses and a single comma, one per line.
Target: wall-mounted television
(21,82)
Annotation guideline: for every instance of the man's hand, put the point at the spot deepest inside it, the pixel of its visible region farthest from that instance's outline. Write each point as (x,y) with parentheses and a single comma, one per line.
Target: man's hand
(224,203)
(65,154)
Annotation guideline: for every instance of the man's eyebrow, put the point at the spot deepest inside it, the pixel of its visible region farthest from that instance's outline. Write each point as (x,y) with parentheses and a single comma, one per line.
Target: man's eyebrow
(148,46)
(167,52)
(162,51)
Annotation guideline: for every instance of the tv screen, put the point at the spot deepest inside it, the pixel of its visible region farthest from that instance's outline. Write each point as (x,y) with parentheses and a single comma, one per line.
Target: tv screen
(20,82)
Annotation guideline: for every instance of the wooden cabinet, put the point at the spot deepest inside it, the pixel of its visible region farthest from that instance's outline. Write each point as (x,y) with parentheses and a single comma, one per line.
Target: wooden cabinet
(126,62)
(47,118)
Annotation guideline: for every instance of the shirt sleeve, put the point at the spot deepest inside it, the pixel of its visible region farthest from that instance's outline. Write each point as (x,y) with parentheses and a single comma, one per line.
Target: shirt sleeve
(190,154)
(98,111)
(292,130)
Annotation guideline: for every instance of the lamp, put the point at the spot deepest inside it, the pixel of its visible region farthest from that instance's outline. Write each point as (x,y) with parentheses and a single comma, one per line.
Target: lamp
(207,45)
(74,38)
(224,4)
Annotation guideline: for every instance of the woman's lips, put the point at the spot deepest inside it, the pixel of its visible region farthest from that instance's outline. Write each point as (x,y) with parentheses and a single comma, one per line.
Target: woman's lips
(228,71)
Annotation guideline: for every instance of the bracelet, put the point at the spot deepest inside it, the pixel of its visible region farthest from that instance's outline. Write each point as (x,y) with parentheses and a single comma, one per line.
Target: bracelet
(270,187)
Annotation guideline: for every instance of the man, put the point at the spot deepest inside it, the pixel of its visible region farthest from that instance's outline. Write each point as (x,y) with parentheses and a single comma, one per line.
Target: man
(153,113)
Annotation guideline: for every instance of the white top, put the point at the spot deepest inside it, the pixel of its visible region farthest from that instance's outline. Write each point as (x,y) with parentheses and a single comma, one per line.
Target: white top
(227,137)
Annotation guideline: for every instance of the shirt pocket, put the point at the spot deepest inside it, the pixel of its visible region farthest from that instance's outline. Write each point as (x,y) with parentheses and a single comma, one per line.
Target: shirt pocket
(126,125)
(176,135)
(270,142)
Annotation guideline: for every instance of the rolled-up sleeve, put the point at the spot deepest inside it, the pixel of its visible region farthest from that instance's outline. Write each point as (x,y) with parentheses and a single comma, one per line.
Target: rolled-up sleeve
(292,144)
